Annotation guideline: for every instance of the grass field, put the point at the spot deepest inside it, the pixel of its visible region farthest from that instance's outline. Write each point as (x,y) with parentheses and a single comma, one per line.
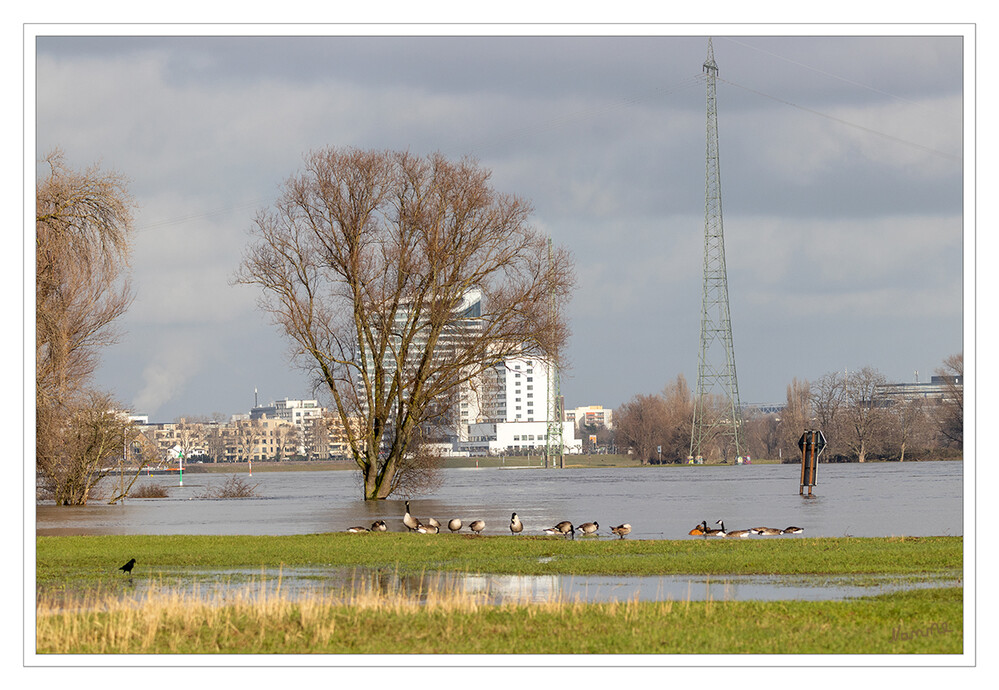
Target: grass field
(917,622)
(90,560)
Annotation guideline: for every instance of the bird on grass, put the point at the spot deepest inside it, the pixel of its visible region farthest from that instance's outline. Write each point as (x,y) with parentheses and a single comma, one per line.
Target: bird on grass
(379,526)
(564,528)
(588,528)
(354,530)
(427,529)
(127,568)
(621,530)
(700,530)
(411,522)
(792,530)
(477,526)
(516,526)
(454,524)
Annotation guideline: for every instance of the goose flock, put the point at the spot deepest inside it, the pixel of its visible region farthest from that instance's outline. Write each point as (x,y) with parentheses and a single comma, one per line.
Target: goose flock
(565,528)
(433,526)
(702,530)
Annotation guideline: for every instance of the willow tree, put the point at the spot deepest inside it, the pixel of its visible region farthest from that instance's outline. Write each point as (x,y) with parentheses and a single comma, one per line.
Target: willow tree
(399,280)
(83,228)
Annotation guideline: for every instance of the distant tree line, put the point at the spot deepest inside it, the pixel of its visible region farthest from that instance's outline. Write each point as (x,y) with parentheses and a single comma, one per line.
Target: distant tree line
(859,417)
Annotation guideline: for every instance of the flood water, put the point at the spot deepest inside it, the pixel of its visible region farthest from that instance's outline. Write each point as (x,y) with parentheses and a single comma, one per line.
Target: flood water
(863,500)
(343,584)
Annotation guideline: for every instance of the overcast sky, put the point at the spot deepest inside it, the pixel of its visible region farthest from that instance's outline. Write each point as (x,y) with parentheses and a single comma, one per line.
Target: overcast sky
(842,169)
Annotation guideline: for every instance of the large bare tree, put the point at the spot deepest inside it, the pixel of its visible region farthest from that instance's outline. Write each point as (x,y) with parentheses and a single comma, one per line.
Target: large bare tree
(365,262)
(83,225)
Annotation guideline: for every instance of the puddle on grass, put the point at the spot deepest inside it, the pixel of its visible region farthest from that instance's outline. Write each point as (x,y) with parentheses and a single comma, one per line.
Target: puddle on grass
(345,584)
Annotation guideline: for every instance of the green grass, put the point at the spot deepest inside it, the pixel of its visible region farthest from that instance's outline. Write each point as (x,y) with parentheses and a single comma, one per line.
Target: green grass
(71,568)
(88,561)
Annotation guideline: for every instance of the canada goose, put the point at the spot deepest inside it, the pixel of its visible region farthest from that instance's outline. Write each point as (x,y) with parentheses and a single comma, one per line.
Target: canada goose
(477,526)
(411,522)
(379,526)
(433,523)
(792,530)
(563,528)
(454,525)
(621,530)
(588,527)
(714,532)
(516,526)
(766,531)
(427,529)
(733,533)
(358,529)
(699,530)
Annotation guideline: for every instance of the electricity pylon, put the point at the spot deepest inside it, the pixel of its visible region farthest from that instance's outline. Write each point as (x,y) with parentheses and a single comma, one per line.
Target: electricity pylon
(716,378)
(554,448)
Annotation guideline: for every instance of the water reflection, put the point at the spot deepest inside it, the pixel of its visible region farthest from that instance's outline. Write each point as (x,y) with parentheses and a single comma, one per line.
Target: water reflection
(349,584)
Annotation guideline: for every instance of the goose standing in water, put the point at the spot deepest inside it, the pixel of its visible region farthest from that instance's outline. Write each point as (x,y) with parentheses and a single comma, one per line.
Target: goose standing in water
(563,528)
(588,528)
(621,530)
(733,533)
(516,526)
(714,532)
(477,526)
(411,522)
(454,524)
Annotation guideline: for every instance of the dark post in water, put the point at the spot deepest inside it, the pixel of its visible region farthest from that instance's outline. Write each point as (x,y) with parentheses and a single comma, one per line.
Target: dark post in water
(812,442)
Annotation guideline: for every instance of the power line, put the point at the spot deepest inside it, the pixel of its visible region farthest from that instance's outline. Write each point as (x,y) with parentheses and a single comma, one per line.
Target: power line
(840,120)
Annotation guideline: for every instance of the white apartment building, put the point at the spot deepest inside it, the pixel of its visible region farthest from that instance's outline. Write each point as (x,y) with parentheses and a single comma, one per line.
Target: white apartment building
(510,410)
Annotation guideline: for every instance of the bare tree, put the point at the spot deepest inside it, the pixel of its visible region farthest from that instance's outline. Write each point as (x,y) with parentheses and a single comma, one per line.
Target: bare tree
(287,440)
(951,411)
(795,418)
(84,445)
(679,416)
(828,403)
(639,425)
(82,229)
(865,414)
(366,262)
(906,422)
(761,433)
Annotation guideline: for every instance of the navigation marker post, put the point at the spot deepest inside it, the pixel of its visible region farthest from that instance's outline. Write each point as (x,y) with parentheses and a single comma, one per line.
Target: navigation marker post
(812,443)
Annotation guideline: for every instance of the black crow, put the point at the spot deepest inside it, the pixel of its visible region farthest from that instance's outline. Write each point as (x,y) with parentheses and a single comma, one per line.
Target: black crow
(127,568)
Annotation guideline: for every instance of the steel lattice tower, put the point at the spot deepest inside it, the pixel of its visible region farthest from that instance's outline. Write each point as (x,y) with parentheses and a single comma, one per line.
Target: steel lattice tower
(716,379)
(554,447)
